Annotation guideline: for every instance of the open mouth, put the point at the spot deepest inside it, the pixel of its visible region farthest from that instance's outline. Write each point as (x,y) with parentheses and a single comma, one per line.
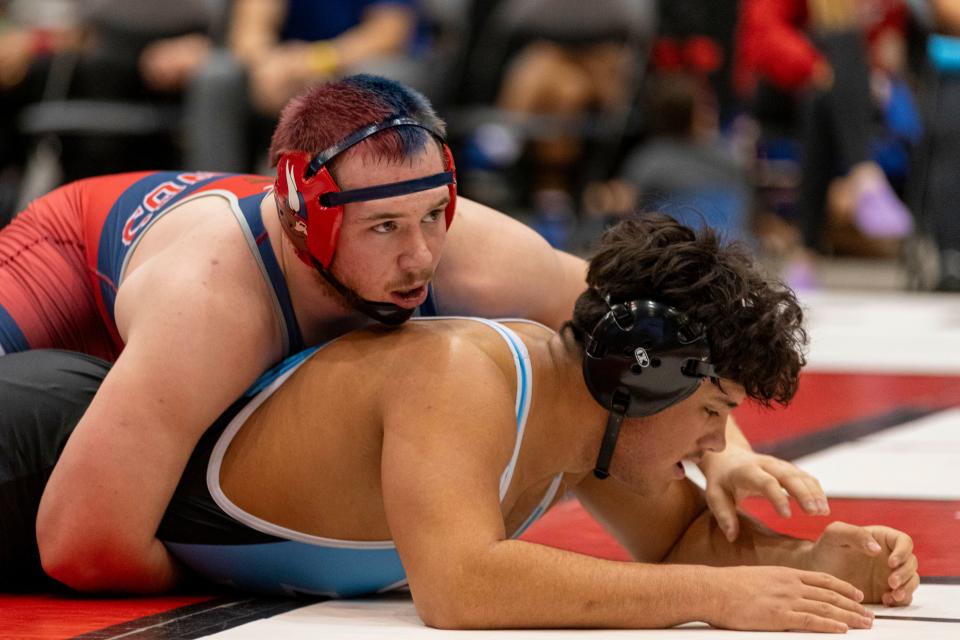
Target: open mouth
(679,472)
(409,298)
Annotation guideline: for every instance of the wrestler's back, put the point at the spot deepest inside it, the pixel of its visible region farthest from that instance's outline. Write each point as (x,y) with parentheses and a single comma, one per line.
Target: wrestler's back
(310,459)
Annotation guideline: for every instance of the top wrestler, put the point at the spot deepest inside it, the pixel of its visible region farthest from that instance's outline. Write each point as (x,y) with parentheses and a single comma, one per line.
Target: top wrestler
(339,469)
(196,286)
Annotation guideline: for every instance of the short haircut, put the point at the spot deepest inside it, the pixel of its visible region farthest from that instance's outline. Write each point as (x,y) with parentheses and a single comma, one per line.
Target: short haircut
(754,326)
(326,113)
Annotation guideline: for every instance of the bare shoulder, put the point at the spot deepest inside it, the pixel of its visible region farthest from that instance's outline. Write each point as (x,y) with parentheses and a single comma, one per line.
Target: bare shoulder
(442,359)
(450,385)
(207,277)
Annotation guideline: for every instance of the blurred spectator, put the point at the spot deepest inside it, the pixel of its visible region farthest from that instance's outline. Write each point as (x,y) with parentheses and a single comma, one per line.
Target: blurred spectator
(289,44)
(696,36)
(836,64)
(276,49)
(684,169)
(562,60)
(78,91)
(121,33)
(31,32)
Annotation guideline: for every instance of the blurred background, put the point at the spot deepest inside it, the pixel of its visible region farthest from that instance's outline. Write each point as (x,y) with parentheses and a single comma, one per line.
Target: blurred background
(823,133)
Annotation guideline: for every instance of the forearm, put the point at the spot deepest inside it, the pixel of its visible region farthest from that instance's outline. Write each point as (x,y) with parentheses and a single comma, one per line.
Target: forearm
(254,28)
(704,543)
(386,30)
(519,584)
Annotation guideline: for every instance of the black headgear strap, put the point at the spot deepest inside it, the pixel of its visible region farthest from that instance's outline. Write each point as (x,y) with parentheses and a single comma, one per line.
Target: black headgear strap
(391,190)
(322,158)
(385,312)
(621,401)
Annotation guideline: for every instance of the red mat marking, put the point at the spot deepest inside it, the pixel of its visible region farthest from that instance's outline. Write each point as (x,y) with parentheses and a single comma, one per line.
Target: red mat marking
(47,617)
(829,399)
(933,525)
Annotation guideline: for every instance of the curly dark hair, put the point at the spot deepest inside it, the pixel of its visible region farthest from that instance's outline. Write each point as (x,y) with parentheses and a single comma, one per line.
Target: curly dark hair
(754,326)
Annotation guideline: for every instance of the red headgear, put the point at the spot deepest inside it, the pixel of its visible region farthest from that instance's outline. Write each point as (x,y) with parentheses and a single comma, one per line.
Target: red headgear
(311,204)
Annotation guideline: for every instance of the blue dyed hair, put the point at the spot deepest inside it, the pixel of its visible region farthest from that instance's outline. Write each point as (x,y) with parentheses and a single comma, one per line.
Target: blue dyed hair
(326,113)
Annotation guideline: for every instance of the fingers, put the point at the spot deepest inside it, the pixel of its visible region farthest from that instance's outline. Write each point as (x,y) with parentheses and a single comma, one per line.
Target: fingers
(837,600)
(724,509)
(799,484)
(902,574)
(899,543)
(827,581)
(827,611)
(903,596)
(848,535)
(811,622)
(772,490)
(804,488)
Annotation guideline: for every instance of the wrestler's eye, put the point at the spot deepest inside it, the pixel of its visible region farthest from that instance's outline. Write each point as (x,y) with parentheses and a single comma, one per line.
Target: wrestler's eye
(711,413)
(433,216)
(385,227)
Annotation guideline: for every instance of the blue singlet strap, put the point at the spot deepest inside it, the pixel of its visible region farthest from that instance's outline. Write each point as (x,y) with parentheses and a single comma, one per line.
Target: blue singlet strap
(250,206)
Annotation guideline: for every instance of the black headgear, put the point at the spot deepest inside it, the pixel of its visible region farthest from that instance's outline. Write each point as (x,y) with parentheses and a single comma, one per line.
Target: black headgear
(642,357)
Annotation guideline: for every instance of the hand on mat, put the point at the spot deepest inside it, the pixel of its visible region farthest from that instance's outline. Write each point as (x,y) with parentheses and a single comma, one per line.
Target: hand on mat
(735,474)
(784,599)
(877,560)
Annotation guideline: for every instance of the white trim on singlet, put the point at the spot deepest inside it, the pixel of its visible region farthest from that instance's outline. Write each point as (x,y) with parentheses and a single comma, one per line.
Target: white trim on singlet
(234,204)
(521,359)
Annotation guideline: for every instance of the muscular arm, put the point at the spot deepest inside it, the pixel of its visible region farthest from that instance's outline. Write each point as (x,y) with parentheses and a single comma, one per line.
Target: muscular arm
(189,353)
(675,527)
(444,448)
(494,266)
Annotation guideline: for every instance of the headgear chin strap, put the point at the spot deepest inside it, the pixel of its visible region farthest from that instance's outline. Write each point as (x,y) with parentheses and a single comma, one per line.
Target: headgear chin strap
(310,204)
(384,312)
(642,357)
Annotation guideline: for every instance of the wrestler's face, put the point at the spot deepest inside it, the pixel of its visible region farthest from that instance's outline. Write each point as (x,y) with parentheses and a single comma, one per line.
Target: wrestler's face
(650,450)
(388,249)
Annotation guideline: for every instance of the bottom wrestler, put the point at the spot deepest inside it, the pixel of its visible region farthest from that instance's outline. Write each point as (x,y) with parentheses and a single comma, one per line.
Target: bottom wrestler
(337,476)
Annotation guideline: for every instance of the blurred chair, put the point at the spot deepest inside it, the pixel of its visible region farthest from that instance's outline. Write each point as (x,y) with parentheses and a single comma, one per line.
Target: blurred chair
(94,108)
(511,26)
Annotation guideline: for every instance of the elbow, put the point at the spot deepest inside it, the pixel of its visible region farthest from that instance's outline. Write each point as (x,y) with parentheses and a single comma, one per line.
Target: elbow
(468,591)
(447,616)
(86,561)
(455,607)
(78,565)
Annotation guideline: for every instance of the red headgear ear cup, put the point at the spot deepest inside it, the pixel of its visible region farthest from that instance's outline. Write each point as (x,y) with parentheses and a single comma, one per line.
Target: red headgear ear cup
(313,228)
(452,187)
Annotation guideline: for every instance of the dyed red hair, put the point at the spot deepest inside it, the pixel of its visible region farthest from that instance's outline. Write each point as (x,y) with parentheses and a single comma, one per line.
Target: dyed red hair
(327,113)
